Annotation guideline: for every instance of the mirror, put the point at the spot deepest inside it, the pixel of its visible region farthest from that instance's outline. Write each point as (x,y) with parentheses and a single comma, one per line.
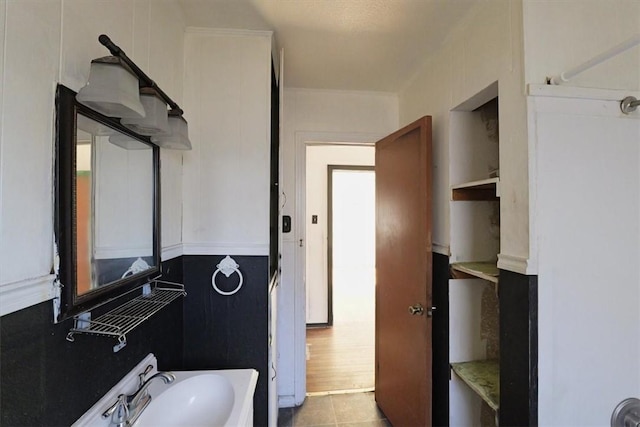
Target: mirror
(107,207)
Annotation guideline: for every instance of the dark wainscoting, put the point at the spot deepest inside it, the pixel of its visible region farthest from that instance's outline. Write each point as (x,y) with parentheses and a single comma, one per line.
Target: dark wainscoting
(518,349)
(46,380)
(173,270)
(440,347)
(227,332)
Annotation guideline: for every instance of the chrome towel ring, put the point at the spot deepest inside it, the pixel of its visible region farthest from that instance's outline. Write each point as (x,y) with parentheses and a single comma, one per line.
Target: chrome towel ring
(227,266)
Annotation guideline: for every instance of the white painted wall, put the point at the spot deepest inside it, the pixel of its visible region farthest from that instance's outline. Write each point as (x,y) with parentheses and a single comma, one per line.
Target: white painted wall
(586,157)
(226,175)
(588,210)
(484,48)
(318,158)
(308,116)
(560,35)
(50,41)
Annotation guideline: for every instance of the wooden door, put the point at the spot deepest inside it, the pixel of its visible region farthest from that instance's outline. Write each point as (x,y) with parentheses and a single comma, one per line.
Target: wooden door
(403,275)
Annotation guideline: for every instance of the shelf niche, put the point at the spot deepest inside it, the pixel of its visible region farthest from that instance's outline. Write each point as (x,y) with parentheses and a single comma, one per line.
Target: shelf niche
(485,189)
(474,347)
(475,193)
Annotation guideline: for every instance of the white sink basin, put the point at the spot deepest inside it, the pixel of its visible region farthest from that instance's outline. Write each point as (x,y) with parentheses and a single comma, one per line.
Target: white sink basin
(195,398)
(201,400)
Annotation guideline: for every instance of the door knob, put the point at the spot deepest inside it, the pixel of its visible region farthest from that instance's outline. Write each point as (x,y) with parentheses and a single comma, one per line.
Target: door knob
(416,310)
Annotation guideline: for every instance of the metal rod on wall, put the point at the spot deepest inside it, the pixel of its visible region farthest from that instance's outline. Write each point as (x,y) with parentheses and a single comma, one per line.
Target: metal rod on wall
(146,80)
(614,51)
(629,104)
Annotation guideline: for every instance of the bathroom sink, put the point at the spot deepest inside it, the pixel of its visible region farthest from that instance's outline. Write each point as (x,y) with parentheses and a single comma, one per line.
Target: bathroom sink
(220,398)
(201,400)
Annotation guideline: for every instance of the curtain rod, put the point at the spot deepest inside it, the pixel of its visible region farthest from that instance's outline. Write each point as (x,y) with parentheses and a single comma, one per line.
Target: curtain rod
(616,50)
(146,80)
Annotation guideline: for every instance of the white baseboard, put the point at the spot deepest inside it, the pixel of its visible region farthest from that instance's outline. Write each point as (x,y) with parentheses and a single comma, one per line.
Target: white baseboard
(223,248)
(516,264)
(21,294)
(441,249)
(172,251)
(179,249)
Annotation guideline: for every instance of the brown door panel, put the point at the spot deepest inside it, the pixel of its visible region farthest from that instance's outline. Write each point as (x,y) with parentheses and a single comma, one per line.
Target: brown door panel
(403,274)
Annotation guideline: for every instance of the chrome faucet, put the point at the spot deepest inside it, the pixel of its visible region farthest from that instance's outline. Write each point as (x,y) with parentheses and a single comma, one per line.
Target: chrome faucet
(126,410)
(139,397)
(119,412)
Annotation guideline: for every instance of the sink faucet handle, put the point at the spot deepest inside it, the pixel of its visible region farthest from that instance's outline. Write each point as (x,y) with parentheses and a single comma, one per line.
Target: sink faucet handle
(142,375)
(119,412)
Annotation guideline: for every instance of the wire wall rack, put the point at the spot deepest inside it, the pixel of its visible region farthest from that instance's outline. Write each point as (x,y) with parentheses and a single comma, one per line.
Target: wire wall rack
(118,322)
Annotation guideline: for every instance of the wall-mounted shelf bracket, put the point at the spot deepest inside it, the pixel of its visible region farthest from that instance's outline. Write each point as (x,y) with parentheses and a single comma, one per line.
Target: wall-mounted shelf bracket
(118,322)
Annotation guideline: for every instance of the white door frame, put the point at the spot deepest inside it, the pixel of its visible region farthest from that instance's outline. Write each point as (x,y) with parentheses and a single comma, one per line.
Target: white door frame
(302,141)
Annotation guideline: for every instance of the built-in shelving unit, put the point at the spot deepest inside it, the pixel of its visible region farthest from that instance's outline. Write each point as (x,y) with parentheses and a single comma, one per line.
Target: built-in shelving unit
(474,352)
(483,376)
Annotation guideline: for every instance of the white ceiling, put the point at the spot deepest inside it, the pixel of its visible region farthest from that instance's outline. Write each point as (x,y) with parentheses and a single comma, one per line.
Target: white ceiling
(371,45)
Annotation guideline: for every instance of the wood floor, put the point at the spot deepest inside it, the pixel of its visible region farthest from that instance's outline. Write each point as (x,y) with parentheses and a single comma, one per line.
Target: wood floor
(342,357)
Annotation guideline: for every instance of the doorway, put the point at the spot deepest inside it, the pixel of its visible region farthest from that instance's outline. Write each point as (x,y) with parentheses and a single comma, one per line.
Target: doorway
(340,355)
(337,337)
(307,145)
(351,244)
(315,239)
(304,142)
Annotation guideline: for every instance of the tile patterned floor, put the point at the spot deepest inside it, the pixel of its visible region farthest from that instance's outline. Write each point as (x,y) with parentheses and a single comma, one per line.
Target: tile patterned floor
(344,410)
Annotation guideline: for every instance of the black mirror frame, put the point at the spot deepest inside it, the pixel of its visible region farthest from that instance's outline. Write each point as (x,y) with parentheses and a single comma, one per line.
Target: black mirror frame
(71,304)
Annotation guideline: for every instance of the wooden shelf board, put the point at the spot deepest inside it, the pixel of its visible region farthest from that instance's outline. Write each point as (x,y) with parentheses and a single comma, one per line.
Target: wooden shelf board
(483,377)
(485,189)
(475,184)
(484,270)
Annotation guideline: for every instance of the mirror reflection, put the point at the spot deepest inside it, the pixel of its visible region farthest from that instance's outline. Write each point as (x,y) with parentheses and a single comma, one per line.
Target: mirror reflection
(114,205)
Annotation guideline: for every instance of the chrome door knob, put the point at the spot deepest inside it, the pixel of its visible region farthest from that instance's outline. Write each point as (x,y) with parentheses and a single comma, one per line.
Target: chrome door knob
(416,310)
